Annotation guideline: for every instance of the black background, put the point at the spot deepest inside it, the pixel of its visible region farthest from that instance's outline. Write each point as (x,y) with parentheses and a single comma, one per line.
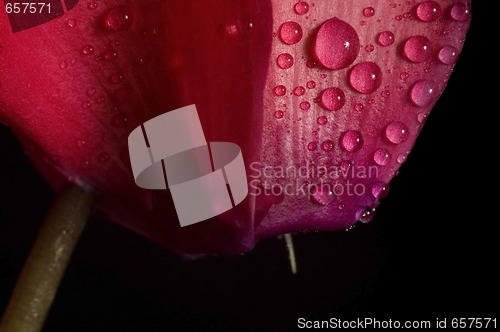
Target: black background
(429,253)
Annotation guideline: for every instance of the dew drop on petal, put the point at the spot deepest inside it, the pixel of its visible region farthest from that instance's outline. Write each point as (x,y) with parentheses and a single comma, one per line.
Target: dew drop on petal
(103,157)
(385,38)
(368,12)
(351,141)
(285,61)
(382,157)
(299,91)
(312,146)
(87,50)
(279,114)
(91,91)
(333,99)
(423,93)
(359,107)
(305,105)
(280,90)
(92,5)
(327,145)
(109,55)
(118,18)
(380,190)
(336,45)
(301,8)
(311,85)
(418,49)
(290,33)
(322,194)
(428,11)
(71,23)
(397,132)
(460,12)
(63,64)
(448,55)
(365,215)
(322,120)
(366,77)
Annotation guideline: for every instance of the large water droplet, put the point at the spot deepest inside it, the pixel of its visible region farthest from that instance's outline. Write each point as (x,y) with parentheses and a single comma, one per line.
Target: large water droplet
(397,132)
(336,44)
(428,11)
(448,55)
(351,141)
(333,99)
(118,18)
(301,8)
(385,38)
(418,49)
(460,12)
(423,93)
(322,194)
(285,61)
(365,215)
(366,77)
(290,33)
(380,190)
(382,157)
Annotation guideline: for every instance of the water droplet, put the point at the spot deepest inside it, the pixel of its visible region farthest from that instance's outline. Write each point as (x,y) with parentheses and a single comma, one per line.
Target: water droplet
(359,107)
(345,165)
(299,91)
(399,17)
(312,146)
(301,8)
(423,93)
(114,43)
(109,55)
(116,78)
(385,93)
(366,77)
(336,44)
(333,99)
(311,64)
(279,114)
(460,12)
(385,38)
(86,105)
(81,143)
(118,18)
(280,90)
(71,23)
(397,132)
(91,91)
(92,5)
(285,61)
(63,64)
(401,158)
(87,50)
(365,215)
(103,157)
(380,190)
(404,76)
(323,194)
(322,120)
(421,117)
(120,120)
(382,157)
(369,48)
(311,85)
(448,55)
(368,12)
(327,145)
(428,11)
(290,33)
(351,141)
(418,49)
(305,105)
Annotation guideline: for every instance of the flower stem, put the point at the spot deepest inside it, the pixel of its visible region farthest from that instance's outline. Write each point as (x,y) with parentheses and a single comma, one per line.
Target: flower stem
(40,278)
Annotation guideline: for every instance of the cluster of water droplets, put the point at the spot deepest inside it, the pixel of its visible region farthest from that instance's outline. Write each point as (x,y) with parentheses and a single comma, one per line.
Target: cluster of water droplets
(334,46)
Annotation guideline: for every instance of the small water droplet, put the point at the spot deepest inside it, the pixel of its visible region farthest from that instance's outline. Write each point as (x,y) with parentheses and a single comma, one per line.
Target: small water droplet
(421,117)
(116,78)
(118,18)
(368,12)
(382,157)
(404,76)
(385,38)
(71,23)
(448,55)
(399,17)
(385,93)
(359,107)
(290,33)
(336,44)
(92,5)
(86,105)
(285,61)
(351,141)
(333,99)
(311,64)
(380,190)
(369,48)
(63,64)
(103,157)
(327,145)
(322,194)
(460,12)
(365,215)
(81,143)
(114,43)
(312,146)
(366,77)
(87,50)
(301,8)
(280,90)
(423,93)
(91,91)
(299,91)
(428,11)
(418,49)
(120,120)
(397,132)
(109,55)
(322,120)
(279,114)
(305,105)
(311,85)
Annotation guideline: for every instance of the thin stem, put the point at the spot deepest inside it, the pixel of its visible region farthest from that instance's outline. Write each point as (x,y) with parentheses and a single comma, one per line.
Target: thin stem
(40,278)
